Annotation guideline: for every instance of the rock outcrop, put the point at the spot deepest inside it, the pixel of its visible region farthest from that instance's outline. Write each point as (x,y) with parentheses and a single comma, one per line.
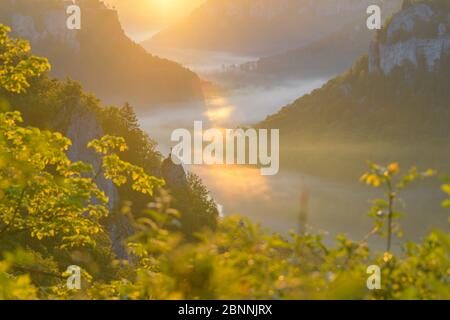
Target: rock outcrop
(173,174)
(82,127)
(414,34)
(406,19)
(404,99)
(53,30)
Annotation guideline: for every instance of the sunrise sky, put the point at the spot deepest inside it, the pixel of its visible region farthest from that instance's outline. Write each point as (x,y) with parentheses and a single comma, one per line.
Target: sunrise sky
(141,18)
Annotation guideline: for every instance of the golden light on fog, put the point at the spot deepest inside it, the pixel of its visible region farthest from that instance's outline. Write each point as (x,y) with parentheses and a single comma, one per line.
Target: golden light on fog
(151,15)
(219,114)
(235,181)
(165,6)
(218,109)
(217,101)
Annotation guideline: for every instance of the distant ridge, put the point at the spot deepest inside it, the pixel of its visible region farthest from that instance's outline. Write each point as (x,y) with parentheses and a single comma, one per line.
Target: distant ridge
(260,27)
(99,55)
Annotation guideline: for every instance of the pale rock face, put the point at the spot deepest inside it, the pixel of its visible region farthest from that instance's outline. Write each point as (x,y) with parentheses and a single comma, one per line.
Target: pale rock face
(385,57)
(406,19)
(412,50)
(24,26)
(173,174)
(83,128)
(54,27)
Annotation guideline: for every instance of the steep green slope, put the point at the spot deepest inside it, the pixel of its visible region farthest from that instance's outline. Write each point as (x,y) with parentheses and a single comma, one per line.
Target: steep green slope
(99,55)
(394,104)
(64,106)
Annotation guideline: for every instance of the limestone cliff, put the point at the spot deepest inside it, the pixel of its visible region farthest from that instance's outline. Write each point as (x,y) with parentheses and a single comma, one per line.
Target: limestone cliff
(398,93)
(173,174)
(81,127)
(417,33)
(25,27)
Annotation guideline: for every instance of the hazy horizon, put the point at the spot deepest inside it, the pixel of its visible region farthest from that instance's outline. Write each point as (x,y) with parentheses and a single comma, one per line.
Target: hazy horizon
(143,18)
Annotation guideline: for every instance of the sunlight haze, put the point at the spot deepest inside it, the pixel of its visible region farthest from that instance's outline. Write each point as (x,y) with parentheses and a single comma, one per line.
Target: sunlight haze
(142,18)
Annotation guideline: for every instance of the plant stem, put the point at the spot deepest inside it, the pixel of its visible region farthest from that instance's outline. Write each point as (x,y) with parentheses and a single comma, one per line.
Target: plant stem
(390,214)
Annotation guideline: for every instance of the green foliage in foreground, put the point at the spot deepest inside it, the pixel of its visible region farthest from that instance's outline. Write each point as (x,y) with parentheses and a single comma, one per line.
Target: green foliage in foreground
(51,217)
(46,197)
(17,64)
(240,260)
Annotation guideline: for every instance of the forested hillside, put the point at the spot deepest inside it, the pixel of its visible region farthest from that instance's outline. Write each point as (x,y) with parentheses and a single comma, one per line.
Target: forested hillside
(396,97)
(64,107)
(99,55)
